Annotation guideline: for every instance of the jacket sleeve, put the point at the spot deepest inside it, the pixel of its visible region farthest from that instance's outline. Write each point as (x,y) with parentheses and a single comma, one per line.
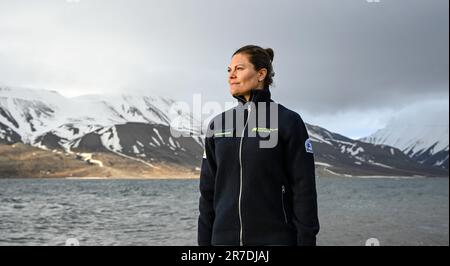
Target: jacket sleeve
(301,171)
(206,201)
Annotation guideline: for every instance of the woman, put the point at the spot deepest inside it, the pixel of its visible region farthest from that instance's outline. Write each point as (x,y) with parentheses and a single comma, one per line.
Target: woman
(251,195)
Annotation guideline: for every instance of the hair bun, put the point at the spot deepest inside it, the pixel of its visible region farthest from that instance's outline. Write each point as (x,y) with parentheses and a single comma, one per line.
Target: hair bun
(269,51)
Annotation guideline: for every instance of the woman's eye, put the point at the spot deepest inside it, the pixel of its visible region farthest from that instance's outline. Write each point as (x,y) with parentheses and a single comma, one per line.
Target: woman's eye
(238,68)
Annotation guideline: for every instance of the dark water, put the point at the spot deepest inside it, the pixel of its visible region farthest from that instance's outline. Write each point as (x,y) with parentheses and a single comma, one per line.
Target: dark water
(164,212)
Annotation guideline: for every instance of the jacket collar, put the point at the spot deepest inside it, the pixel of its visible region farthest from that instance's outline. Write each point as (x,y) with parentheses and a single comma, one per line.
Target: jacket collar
(256,95)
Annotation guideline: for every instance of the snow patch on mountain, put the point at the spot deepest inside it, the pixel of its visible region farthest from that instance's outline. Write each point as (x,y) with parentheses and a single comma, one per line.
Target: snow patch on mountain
(32,113)
(419,131)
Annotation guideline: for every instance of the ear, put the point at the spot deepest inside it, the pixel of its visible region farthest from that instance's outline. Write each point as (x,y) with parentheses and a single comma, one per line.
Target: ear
(262,74)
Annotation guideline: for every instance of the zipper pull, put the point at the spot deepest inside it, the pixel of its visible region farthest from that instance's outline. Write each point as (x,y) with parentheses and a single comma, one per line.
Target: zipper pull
(282,189)
(249,107)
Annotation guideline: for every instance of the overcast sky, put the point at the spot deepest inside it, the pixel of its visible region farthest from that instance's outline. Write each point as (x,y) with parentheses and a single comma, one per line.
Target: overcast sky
(348,65)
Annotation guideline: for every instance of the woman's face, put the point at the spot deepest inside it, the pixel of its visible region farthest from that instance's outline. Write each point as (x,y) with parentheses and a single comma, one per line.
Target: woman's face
(243,77)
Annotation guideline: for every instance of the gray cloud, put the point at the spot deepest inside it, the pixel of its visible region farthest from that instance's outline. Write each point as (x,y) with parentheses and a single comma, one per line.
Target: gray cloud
(330,56)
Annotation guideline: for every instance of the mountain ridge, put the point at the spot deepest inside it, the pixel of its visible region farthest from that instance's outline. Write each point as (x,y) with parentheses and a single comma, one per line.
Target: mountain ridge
(139,128)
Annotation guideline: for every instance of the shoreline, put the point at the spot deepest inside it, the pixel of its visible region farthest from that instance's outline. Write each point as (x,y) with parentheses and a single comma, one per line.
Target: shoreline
(105,178)
(124,178)
(192,177)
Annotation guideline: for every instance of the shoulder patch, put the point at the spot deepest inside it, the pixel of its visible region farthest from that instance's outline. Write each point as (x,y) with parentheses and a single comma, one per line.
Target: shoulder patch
(308,146)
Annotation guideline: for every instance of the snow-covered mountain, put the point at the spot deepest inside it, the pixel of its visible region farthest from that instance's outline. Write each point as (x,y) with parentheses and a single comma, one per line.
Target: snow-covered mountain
(33,112)
(422,136)
(136,126)
(339,154)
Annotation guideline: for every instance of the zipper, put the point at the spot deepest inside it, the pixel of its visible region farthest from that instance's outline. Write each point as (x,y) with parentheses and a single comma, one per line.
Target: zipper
(240,186)
(283,191)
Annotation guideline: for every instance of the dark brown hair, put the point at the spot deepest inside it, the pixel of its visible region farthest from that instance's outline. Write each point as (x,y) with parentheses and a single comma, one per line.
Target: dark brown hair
(260,58)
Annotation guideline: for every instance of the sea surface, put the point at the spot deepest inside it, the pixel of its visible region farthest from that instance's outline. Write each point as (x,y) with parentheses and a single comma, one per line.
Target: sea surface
(395,211)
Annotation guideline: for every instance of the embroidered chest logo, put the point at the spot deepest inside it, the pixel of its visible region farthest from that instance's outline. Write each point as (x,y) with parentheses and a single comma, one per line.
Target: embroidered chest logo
(264,129)
(226,133)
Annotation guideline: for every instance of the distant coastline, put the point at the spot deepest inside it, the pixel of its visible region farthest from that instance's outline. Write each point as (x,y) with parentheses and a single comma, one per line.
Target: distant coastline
(24,161)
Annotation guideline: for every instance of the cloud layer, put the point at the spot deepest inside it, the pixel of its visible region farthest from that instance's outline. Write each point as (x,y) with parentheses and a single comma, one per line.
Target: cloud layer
(331,57)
